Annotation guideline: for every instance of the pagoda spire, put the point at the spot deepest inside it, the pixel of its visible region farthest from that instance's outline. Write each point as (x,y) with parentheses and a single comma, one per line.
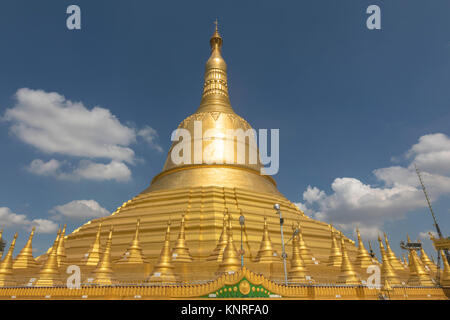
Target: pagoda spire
(215,89)
(395,263)
(93,256)
(445,276)
(164,269)
(61,251)
(217,253)
(134,252)
(6,266)
(181,251)
(305,253)
(297,272)
(426,260)
(405,261)
(387,272)
(103,273)
(335,258)
(417,273)
(231,260)
(348,274)
(24,259)
(49,275)
(363,258)
(266,252)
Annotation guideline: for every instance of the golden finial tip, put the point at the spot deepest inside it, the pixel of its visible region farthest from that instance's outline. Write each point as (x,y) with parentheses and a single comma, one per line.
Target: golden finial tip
(216,39)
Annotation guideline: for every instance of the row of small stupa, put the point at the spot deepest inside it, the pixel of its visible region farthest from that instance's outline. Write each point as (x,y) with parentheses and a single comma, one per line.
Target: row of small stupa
(49,272)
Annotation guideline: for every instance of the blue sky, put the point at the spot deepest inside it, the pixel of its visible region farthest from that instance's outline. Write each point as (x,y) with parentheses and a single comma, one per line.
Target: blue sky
(347,101)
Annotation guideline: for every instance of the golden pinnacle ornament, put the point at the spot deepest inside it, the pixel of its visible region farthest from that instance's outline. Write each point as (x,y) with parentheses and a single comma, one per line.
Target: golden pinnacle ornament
(231,260)
(134,255)
(266,252)
(387,271)
(93,255)
(417,274)
(305,252)
(335,257)
(25,259)
(363,259)
(181,251)
(445,275)
(164,269)
(348,274)
(426,260)
(217,253)
(393,260)
(103,273)
(49,275)
(61,252)
(6,266)
(297,271)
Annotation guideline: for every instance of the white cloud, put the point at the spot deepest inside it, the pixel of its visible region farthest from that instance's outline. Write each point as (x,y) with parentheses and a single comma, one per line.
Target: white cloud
(98,171)
(426,234)
(79,210)
(313,194)
(41,168)
(150,135)
(55,125)
(86,169)
(45,226)
(432,153)
(353,203)
(10,219)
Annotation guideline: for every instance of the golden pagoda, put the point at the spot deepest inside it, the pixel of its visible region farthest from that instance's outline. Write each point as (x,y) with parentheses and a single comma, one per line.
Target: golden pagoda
(198,200)
(363,259)
(266,252)
(49,274)
(93,255)
(230,261)
(298,271)
(417,274)
(164,269)
(305,253)
(61,252)
(24,259)
(134,255)
(181,251)
(6,266)
(393,260)
(426,260)
(445,276)
(103,273)
(348,274)
(387,271)
(210,189)
(217,253)
(335,257)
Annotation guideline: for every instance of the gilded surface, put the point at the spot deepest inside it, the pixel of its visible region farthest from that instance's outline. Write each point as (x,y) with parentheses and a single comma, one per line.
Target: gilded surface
(198,249)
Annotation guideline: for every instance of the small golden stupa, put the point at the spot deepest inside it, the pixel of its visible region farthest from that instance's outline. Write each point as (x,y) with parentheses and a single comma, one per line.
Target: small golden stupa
(183,237)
